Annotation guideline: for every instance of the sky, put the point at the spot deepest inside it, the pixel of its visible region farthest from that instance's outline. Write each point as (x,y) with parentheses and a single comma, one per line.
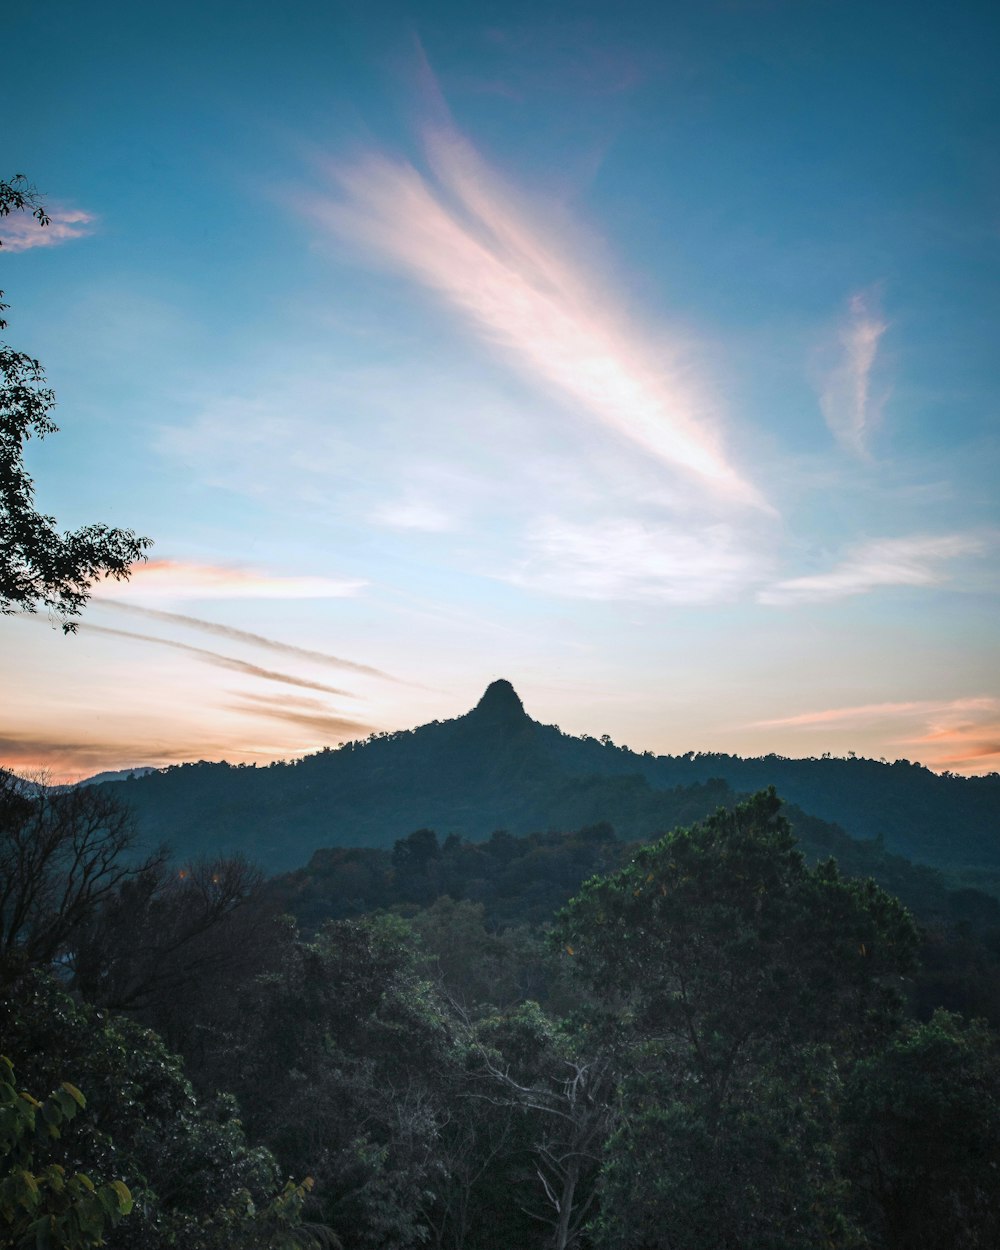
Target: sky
(644,355)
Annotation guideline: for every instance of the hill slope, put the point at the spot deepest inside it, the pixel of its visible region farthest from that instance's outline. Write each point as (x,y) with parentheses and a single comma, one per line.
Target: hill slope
(496,768)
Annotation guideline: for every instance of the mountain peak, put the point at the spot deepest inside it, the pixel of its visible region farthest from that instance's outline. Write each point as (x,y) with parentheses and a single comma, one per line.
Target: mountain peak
(500,704)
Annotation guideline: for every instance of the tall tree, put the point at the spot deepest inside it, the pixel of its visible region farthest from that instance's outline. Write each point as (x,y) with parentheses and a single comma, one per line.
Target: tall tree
(742,976)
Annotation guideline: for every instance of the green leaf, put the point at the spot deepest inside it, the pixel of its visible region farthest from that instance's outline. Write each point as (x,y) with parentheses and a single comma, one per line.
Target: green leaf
(124,1196)
(75,1094)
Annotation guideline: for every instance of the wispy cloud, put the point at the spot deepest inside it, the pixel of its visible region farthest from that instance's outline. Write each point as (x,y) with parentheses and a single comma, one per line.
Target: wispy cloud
(323,725)
(623,559)
(969,750)
(469,242)
(65,760)
(846,400)
(219,660)
(413,515)
(963,736)
(914,561)
(865,712)
(21,232)
(179,579)
(245,636)
(959,735)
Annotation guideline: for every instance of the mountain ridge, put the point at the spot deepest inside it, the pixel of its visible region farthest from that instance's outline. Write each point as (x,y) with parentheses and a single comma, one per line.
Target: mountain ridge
(494,767)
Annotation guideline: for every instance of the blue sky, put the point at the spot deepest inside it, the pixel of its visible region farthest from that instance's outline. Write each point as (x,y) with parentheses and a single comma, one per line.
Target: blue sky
(643,355)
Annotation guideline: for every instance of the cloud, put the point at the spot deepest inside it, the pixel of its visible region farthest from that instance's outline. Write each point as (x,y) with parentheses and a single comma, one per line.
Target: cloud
(971,756)
(883,562)
(220,661)
(21,233)
(324,725)
(178,579)
(845,398)
(413,515)
(255,640)
(865,712)
(467,241)
(963,736)
(623,559)
(959,735)
(65,760)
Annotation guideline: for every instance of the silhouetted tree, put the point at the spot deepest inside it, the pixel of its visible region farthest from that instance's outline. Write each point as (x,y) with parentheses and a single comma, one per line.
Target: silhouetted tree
(39,566)
(62,853)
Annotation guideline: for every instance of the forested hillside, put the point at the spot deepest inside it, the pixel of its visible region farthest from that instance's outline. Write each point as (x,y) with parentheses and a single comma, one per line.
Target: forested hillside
(496,768)
(555,1042)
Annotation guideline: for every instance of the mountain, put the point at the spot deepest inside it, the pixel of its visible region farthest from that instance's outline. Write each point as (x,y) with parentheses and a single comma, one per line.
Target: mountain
(121,774)
(496,768)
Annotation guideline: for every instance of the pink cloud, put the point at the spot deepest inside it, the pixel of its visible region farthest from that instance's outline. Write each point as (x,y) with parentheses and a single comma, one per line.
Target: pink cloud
(467,241)
(180,579)
(877,711)
(957,735)
(19,233)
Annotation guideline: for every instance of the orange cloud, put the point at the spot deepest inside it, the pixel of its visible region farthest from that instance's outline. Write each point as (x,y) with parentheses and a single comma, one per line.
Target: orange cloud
(877,711)
(65,760)
(958,735)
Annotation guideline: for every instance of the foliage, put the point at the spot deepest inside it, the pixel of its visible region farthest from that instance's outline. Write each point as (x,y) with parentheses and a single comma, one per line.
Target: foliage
(564,1085)
(195,1180)
(341,1057)
(42,1204)
(722,936)
(39,566)
(62,853)
(923,1137)
(744,978)
(722,1024)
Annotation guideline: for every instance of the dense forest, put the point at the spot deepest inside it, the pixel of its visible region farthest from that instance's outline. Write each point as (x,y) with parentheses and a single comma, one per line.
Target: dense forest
(715,1039)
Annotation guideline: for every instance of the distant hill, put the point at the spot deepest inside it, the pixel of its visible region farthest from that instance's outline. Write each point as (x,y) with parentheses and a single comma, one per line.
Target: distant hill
(121,774)
(496,768)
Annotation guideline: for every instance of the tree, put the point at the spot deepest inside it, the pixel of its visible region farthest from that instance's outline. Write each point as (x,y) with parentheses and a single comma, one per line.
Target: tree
(339,1059)
(569,1101)
(39,566)
(62,853)
(745,979)
(195,1179)
(41,1203)
(922,1121)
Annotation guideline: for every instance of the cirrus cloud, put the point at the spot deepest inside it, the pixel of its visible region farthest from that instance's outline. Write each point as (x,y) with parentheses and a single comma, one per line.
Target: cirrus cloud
(914,561)
(845,388)
(463,237)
